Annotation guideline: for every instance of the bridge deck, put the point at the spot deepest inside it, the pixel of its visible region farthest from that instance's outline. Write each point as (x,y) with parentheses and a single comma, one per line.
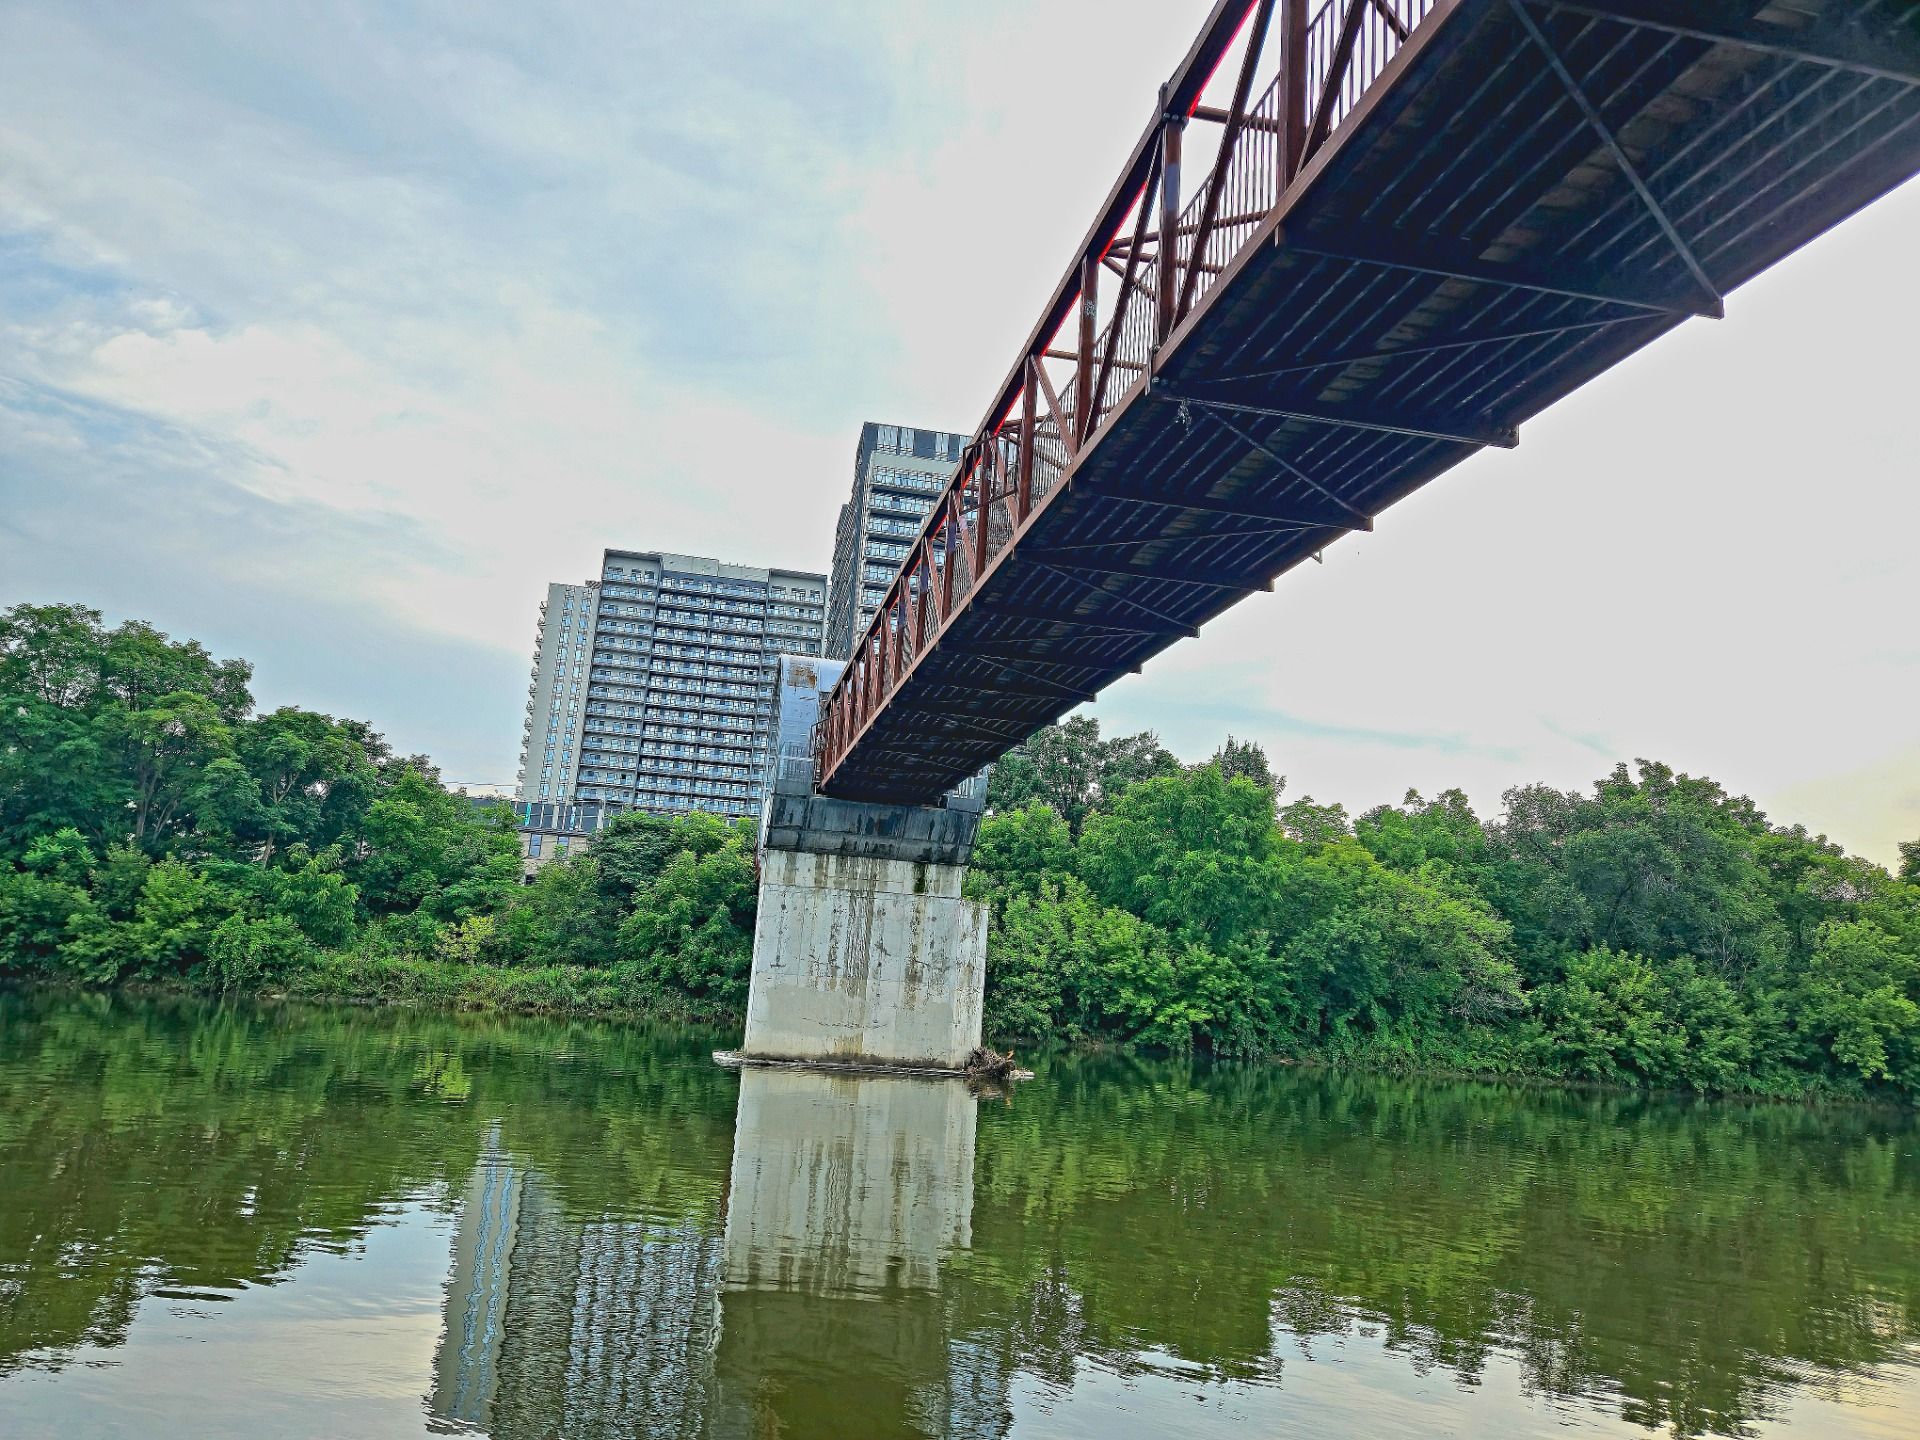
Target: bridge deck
(1524,196)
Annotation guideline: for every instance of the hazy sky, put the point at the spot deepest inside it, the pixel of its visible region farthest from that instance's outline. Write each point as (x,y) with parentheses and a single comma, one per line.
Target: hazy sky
(330,334)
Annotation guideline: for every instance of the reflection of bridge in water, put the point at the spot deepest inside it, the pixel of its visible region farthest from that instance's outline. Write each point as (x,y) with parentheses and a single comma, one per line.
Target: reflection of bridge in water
(821,1282)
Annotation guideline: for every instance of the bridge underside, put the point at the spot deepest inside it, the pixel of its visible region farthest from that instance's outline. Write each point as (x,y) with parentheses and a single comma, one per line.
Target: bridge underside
(1527,195)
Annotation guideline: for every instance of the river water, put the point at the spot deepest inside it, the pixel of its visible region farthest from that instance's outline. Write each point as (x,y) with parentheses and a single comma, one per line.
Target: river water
(240,1221)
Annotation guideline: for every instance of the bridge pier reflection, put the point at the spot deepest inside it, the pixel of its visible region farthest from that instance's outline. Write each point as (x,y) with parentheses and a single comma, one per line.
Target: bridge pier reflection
(849,1195)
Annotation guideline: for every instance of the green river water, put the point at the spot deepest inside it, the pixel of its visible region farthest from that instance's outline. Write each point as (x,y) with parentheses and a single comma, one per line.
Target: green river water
(278,1221)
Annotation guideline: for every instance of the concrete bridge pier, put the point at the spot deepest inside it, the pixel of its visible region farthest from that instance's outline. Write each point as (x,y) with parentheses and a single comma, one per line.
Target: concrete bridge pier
(864,951)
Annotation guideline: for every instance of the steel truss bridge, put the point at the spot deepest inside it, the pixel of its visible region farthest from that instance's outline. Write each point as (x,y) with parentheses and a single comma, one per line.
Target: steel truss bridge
(1355,243)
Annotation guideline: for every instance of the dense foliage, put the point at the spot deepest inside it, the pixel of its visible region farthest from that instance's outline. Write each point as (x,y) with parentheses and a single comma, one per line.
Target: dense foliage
(153,827)
(1656,932)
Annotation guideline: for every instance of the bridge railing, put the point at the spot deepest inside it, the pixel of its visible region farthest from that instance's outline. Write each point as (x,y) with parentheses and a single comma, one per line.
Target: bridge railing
(1075,371)
(1377,32)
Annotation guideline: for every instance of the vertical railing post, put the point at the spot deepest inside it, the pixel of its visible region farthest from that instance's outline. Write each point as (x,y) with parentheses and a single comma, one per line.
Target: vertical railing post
(1083,417)
(1168,296)
(927,598)
(949,549)
(981,523)
(1023,463)
(1293,87)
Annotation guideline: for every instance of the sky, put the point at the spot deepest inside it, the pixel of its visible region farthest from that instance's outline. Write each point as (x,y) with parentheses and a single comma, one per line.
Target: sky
(330,334)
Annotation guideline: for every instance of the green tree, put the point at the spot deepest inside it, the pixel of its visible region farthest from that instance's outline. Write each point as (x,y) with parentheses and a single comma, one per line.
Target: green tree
(1019,849)
(1247,760)
(1188,852)
(1661,865)
(1069,767)
(1859,1001)
(691,929)
(422,849)
(313,779)
(1060,766)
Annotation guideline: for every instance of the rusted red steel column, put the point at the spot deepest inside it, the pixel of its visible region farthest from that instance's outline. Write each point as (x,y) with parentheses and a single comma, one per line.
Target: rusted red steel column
(1293,87)
(925,566)
(981,524)
(950,548)
(1083,368)
(896,636)
(1023,464)
(1168,287)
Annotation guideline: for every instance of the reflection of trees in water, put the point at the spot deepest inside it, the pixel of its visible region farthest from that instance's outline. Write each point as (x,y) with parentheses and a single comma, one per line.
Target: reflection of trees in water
(1692,1257)
(154,1144)
(1690,1261)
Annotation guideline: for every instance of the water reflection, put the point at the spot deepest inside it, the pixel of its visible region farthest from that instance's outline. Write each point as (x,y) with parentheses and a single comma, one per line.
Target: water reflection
(556,1325)
(848,1195)
(565,1229)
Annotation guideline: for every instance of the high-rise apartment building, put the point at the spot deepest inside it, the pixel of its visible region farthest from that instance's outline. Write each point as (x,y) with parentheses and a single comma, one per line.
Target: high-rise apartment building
(898,473)
(673,707)
(557,693)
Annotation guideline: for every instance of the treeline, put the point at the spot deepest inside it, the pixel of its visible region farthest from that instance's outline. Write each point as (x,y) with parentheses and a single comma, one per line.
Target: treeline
(1657,931)
(154,828)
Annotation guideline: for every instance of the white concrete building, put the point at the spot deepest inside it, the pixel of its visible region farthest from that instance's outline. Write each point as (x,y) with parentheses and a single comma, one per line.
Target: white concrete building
(556,694)
(653,685)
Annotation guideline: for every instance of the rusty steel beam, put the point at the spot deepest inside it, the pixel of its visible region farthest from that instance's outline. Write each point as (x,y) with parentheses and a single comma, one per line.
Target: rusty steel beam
(1083,568)
(1127,285)
(1023,461)
(1429,255)
(1177,97)
(1083,362)
(1388,420)
(1170,127)
(1595,121)
(1293,88)
(1152,242)
(1223,163)
(1287,514)
(1465,342)
(1054,408)
(1106,594)
(1394,22)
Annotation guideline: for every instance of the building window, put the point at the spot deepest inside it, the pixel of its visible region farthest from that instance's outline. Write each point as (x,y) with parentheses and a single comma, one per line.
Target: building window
(533,841)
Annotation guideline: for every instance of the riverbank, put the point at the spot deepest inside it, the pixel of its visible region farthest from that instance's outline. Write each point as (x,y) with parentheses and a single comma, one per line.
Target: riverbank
(616,994)
(567,992)
(1658,933)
